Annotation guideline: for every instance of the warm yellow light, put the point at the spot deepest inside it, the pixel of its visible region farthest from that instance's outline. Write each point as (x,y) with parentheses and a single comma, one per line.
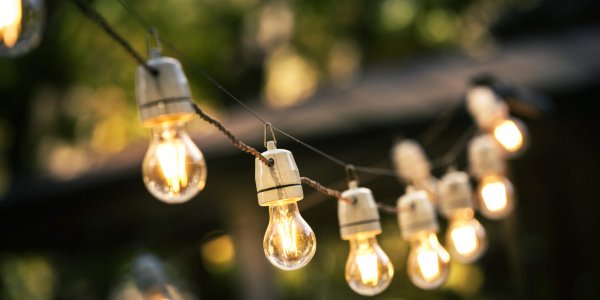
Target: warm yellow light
(510,135)
(367,264)
(174,168)
(368,269)
(289,242)
(496,197)
(218,254)
(466,238)
(428,262)
(10,21)
(171,158)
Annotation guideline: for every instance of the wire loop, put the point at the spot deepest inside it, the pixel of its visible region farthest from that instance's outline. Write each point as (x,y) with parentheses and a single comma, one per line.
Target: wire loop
(268,127)
(153,43)
(351,174)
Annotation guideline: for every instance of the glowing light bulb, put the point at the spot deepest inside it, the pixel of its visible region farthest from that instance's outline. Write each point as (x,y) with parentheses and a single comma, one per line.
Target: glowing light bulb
(174,169)
(368,269)
(510,134)
(465,238)
(20,25)
(10,21)
(289,242)
(428,261)
(495,195)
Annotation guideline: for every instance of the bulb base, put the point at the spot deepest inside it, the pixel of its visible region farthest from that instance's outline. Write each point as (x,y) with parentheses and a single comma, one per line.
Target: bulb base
(416,214)
(485,106)
(279,183)
(455,192)
(165,96)
(486,157)
(358,217)
(411,161)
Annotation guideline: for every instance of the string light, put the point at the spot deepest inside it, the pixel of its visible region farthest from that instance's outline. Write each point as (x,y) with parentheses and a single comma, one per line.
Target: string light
(368,269)
(492,115)
(289,242)
(465,237)
(174,169)
(495,191)
(413,166)
(20,26)
(428,263)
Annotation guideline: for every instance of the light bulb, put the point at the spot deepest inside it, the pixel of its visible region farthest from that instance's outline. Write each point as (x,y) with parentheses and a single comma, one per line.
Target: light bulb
(20,25)
(289,242)
(496,196)
(465,237)
(428,263)
(368,269)
(510,134)
(174,169)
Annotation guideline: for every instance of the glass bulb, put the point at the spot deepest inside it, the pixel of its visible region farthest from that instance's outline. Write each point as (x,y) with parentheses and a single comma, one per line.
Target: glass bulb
(495,195)
(510,134)
(465,237)
(174,168)
(20,25)
(428,262)
(289,242)
(368,269)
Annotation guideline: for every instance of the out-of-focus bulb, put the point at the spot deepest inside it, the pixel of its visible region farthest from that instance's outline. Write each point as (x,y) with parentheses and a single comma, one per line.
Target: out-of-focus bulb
(368,269)
(174,168)
(496,197)
(20,25)
(289,242)
(10,21)
(428,261)
(413,167)
(465,237)
(510,134)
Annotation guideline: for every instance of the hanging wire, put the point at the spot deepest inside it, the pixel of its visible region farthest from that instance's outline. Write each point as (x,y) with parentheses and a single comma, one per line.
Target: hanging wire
(149,28)
(324,190)
(101,21)
(235,141)
(93,15)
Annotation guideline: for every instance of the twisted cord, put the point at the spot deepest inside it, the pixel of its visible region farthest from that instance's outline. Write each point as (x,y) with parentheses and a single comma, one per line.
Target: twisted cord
(96,17)
(324,190)
(235,141)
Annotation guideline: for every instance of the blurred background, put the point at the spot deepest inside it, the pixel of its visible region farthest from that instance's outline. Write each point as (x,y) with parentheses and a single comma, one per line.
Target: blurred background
(349,77)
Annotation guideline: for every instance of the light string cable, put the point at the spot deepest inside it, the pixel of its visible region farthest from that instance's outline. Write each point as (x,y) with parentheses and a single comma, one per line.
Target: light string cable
(150,29)
(101,21)
(96,17)
(196,66)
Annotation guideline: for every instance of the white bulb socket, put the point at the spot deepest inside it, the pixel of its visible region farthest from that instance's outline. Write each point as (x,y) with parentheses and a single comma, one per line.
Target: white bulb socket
(485,106)
(164,96)
(279,183)
(486,157)
(455,193)
(416,214)
(359,217)
(411,161)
